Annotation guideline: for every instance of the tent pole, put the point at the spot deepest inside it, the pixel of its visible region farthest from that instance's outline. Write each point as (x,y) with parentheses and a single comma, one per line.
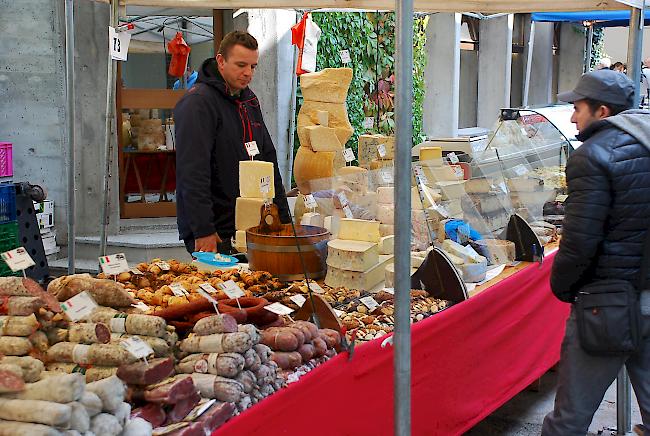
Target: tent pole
(286,177)
(70,112)
(590,41)
(404,138)
(634,50)
(108,134)
(529,66)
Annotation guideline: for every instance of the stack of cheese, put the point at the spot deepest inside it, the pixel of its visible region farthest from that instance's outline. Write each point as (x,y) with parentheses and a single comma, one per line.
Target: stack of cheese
(528,196)
(386,210)
(377,154)
(486,206)
(471,265)
(251,198)
(323,128)
(358,257)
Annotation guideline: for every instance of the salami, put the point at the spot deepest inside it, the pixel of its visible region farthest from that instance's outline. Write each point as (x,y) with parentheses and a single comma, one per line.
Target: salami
(222,323)
(20,306)
(93,373)
(32,368)
(142,374)
(160,347)
(134,324)
(221,388)
(13,286)
(64,388)
(224,364)
(14,346)
(94,354)
(237,342)
(105,292)
(252,331)
(10,381)
(13,428)
(40,412)
(18,325)
(287,360)
(89,333)
(110,390)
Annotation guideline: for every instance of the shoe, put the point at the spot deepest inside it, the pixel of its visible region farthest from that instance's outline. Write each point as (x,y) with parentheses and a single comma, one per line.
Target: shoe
(641,430)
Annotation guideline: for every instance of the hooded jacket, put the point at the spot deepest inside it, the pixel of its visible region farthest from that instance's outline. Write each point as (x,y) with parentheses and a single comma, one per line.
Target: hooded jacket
(212,127)
(607,212)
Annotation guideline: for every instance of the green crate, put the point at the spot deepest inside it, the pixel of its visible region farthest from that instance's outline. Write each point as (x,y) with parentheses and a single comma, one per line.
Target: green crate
(8,241)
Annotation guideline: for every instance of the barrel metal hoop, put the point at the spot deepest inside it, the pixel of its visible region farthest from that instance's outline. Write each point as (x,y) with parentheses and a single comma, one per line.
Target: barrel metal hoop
(280,248)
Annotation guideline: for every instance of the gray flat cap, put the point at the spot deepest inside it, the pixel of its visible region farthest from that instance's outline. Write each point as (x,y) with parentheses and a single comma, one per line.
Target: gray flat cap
(608,86)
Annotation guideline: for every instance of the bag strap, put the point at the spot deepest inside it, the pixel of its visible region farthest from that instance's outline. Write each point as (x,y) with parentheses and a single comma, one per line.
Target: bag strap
(645,264)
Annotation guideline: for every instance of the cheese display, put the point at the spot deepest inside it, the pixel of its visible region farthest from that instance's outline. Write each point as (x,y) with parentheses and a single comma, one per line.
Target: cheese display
(387,244)
(247,212)
(352,255)
(431,156)
(323,139)
(312,219)
(368,150)
(365,203)
(337,277)
(328,85)
(313,171)
(386,195)
(473,272)
(359,230)
(451,190)
(525,184)
(430,197)
(250,174)
(496,251)
(377,164)
(389,274)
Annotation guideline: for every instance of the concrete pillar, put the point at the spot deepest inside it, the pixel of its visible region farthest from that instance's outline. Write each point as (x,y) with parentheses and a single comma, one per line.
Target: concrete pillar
(468,88)
(541,75)
(273,77)
(494,68)
(442,76)
(571,56)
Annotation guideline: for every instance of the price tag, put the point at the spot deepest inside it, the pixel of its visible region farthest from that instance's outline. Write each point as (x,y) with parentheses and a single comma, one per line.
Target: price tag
(347,211)
(251,148)
(208,297)
(310,201)
(458,171)
(315,287)
(381,149)
(389,290)
(178,290)
(207,287)
(114,264)
(453,158)
(348,154)
(343,199)
(520,170)
(141,305)
(419,175)
(118,44)
(370,303)
(368,122)
(137,347)
(298,299)
(339,313)
(136,272)
(18,259)
(386,175)
(79,306)
(345,56)
(265,184)
(231,289)
(278,308)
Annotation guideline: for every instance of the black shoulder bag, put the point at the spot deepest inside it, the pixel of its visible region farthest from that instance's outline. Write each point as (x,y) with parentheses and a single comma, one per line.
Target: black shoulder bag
(608,312)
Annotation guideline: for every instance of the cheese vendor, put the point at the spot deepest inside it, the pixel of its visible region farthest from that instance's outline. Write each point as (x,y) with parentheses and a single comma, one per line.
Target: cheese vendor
(226,163)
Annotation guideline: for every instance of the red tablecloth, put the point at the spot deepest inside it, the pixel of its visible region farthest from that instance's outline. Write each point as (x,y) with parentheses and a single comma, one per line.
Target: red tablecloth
(466,362)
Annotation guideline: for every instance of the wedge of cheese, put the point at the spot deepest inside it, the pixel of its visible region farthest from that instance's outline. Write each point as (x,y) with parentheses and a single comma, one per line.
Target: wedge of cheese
(323,138)
(312,219)
(366,280)
(323,118)
(352,255)
(359,230)
(481,185)
(468,254)
(387,244)
(368,149)
(473,272)
(247,212)
(443,173)
(337,119)
(451,190)
(328,85)
(315,171)
(389,277)
(251,173)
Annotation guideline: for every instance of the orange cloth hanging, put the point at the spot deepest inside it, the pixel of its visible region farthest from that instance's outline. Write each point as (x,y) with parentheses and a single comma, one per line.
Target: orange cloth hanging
(180,52)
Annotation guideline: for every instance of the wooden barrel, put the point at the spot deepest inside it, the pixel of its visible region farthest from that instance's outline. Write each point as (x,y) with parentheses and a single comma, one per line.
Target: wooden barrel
(278,252)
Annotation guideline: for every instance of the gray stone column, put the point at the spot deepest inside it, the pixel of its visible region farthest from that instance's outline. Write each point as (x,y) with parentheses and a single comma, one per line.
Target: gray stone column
(494,65)
(571,56)
(541,74)
(442,76)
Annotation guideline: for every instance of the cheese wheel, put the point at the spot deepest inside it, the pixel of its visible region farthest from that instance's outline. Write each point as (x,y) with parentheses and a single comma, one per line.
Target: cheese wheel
(359,230)
(328,85)
(314,171)
(337,119)
(352,255)
(250,175)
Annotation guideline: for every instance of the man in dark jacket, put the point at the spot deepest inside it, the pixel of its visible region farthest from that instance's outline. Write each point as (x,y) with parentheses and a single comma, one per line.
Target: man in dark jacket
(606,220)
(214,121)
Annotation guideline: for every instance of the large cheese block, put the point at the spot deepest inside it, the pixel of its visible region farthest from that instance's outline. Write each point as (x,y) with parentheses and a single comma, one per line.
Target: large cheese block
(497,251)
(386,213)
(352,255)
(360,280)
(443,173)
(431,156)
(355,178)
(247,212)
(481,185)
(473,272)
(389,277)
(359,230)
(451,190)
(368,148)
(240,241)
(250,175)
(387,244)
(328,85)
(323,118)
(312,219)
(323,139)
(315,171)
(386,195)
(337,119)
(386,230)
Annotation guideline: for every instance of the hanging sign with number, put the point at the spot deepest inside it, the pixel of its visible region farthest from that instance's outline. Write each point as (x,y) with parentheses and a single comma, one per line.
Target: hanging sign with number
(118,44)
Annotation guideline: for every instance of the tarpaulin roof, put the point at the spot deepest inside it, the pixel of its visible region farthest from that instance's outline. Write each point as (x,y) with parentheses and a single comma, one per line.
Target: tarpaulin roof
(599,18)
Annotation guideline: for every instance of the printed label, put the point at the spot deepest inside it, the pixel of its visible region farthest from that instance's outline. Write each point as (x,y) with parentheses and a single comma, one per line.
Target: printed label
(79,306)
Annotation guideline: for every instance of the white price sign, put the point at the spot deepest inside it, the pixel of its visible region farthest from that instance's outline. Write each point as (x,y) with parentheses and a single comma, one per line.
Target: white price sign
(178,290)
(298,299)
(231,289)
(315,287)
(136,272)
(343,199)
(137,347)
(381,149)
(339,313)
(251,148)
(114,264)
(209,298)
(207,287)
(458,171)
(163,266)
(370,303)
(279,309)
(389,290)
(310,201)
(142,306)
(348,154)
(265,184)
(345,56)
(79,306)
(348,212)
(118,44)
(368,122)
(18,259)
(419,175)
(386,175)
(453,158)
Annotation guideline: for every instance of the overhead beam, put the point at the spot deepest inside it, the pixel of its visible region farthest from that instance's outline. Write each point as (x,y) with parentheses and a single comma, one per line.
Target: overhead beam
(484,6)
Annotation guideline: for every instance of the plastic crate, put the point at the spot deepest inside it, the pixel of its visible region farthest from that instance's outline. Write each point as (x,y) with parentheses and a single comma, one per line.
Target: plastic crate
(6,159)
(7,202)
(8,241)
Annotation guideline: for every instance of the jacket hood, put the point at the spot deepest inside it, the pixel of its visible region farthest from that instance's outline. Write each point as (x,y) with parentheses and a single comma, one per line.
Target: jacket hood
(209,74)
(636,123)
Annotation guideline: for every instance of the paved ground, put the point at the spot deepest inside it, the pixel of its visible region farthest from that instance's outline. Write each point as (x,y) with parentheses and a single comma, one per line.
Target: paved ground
(523,415)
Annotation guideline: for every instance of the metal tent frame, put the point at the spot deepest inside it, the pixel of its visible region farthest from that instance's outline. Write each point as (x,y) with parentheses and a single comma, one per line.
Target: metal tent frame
(403,125)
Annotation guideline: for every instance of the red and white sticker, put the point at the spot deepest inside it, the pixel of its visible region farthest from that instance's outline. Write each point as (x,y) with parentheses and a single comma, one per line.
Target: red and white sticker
(251,148)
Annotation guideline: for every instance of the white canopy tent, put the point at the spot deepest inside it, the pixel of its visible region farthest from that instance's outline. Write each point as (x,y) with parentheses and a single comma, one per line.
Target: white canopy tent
(403,125)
